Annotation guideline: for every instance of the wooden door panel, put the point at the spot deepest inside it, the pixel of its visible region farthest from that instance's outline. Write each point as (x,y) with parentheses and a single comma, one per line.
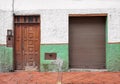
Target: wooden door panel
(31,46)
(18,43)
(27,44)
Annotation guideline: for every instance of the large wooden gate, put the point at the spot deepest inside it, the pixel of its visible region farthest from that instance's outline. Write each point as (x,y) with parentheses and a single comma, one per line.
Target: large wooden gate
(26,41)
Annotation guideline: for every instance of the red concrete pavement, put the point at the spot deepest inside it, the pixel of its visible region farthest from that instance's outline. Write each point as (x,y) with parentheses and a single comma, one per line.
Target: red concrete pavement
(67,78)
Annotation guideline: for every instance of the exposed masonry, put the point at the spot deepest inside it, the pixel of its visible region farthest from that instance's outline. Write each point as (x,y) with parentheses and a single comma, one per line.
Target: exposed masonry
(55,26)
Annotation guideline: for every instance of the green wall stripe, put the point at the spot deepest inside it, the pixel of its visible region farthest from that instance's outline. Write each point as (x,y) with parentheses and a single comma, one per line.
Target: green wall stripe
(113,57)
(62,53)
(6,58)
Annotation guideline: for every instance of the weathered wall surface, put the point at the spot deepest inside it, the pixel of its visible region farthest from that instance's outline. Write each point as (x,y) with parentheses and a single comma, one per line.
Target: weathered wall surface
(5,23)
(6,54)
(55,30)
(62,54)
(56,22)
(113,57)
(58,4)
(6,59)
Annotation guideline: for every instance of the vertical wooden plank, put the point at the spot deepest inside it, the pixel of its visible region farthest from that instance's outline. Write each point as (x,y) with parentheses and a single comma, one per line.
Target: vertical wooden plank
(18,50)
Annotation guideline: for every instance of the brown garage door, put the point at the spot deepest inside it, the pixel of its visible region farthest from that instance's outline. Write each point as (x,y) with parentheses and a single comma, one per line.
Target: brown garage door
(87,42)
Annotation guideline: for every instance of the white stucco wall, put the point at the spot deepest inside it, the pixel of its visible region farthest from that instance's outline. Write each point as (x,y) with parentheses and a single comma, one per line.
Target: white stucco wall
(5,23)
(58,4)
(54,23)
(54,16)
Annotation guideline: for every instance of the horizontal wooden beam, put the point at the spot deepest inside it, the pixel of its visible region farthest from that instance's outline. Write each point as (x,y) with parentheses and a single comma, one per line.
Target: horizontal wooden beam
(88,15)
(27,15)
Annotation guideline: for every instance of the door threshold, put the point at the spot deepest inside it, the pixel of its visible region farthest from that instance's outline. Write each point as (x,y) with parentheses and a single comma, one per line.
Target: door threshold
(87,70)
(19,70)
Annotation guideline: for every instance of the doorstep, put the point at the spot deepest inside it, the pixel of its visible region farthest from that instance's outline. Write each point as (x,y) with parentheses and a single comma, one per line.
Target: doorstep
(88,70)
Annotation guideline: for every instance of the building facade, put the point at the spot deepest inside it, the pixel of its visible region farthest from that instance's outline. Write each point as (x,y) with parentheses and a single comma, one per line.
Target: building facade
(75,38)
